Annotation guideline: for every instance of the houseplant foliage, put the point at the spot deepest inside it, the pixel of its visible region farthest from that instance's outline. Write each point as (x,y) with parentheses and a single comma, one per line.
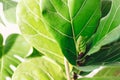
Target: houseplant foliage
(11,53)
(85,32)
(74,27)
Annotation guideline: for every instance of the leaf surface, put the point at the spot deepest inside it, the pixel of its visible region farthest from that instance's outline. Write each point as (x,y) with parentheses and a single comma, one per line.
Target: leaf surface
(67,20)
(107,55)
(34,30)
(109,28)
(41,68)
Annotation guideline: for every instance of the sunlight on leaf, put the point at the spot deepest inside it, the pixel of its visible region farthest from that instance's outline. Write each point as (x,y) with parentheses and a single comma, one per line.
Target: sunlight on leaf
(41,68)
(33,29)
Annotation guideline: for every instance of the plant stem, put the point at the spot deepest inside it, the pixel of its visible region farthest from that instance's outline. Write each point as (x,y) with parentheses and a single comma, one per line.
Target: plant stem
(67,69)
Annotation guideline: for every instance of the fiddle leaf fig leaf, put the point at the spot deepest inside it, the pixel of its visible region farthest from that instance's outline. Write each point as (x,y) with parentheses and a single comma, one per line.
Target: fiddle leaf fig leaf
(109,28)
(33,29)
(39,68)
(67,20)
(15,49)
(107,55)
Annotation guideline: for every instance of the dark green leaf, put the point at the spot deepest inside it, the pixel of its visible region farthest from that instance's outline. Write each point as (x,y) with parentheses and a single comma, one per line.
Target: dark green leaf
(105,7)
(106,55)
(69,20)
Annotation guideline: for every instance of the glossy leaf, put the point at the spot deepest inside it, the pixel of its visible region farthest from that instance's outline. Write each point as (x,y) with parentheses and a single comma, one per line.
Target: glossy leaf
(33,29)
(41,68)
(67,20)
(109,28)
(13,51)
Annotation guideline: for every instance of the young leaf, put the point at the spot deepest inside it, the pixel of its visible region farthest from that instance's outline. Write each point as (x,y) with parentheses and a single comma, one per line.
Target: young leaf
(15,46)
(67,20)
(41,68)
(109,28)
(33,29)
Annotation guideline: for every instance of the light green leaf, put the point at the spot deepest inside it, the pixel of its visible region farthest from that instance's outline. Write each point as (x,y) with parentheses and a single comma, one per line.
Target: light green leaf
(109,28)
(33,29)
(15,48)
(67,20)
(107,73)
(41,68)
(9,8)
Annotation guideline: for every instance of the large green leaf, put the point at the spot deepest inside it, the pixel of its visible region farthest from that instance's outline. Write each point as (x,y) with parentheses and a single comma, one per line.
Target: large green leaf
(9,8)
(14,49)
(108,73)
(33,29)
(69,19)
(41,68)
(109,28)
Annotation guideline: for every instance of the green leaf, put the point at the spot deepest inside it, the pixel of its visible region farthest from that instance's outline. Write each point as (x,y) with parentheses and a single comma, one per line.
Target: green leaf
(41,68)
(9,8)
(107,73)
(105,7)
(33,29)
(1,40)
(67,20)
(15,48)
(109,28)
(1,44)
(107,55)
